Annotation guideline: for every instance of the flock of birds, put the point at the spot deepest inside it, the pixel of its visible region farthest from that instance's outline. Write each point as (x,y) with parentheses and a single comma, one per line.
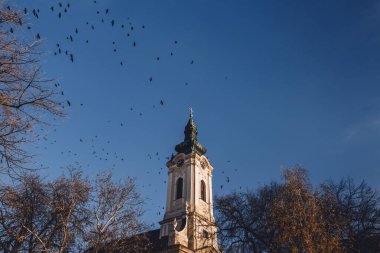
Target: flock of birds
(98,148)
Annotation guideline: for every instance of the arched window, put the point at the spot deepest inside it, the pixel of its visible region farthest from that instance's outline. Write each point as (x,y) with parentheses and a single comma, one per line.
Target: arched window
(203,190)
(179,188)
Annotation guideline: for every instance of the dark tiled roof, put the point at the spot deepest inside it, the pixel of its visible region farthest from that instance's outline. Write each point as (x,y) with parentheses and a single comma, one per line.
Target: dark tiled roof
(148,242)
(156,244)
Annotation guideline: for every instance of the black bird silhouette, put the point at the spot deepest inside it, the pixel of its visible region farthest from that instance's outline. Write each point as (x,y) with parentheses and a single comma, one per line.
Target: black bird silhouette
(25,10)
(52,8)
(59,15)
(113,22)
(107,10)
(68,103)
(71,57)
(161,102)
(192,62)
(134,43)
(38,36)
(60,4)
(76,30)
(150,79)
(35,13)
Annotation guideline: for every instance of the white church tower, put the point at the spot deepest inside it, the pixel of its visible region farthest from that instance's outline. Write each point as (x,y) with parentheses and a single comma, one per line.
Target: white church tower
(188,222)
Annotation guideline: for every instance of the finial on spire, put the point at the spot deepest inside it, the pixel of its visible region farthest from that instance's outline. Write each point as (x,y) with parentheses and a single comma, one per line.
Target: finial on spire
(191,112)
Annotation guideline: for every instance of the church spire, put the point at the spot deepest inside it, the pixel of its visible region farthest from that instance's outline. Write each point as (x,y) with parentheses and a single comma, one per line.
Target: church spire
(190,143)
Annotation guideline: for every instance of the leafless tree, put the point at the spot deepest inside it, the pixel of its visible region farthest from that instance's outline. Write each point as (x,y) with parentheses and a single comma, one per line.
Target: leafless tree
(39,216)
(22,206)
(358,209)
(243,219)
(116,210)
(25,96)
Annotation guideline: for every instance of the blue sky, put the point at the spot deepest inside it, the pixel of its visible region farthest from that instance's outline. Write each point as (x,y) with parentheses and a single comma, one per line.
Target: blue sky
(273,84)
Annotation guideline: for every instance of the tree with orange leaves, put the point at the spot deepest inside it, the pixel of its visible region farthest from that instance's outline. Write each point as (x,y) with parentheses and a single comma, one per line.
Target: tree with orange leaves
(299,218)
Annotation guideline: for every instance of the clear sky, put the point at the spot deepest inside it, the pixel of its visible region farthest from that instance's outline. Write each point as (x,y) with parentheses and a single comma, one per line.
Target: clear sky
(272,84)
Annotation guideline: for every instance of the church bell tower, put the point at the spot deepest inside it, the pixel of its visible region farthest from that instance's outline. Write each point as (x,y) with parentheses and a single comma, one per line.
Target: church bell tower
(188,222)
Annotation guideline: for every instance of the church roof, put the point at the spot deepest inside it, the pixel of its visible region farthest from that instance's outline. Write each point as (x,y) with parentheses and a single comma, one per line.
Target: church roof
(147,242)
(190,143)
(156,244)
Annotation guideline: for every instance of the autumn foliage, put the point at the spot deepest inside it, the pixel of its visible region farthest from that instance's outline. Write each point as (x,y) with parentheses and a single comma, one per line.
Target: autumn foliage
(292,217)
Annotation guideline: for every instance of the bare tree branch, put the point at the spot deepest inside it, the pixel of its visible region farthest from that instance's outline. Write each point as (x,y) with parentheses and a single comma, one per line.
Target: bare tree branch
(25,96)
